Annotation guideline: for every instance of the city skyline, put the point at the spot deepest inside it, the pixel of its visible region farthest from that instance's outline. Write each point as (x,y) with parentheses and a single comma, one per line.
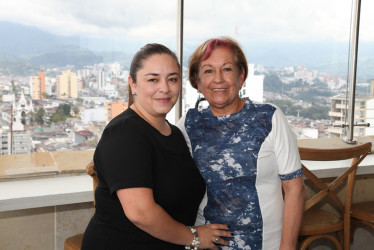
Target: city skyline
(38,48)
(313,34)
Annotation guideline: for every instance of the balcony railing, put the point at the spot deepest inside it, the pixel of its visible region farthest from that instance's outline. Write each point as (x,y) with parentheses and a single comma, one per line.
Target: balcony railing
(336,114)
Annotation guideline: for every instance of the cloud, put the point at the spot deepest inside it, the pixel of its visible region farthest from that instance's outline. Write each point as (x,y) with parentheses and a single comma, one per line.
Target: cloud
(247,20)
(90,18)
(273,20)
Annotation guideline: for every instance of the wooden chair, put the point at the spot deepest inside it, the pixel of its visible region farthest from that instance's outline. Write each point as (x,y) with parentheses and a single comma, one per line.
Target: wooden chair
(317,222)
(362,213)
(75,242)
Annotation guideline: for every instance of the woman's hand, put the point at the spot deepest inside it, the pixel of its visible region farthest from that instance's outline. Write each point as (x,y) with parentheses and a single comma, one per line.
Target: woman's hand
(141,209)
(210,235)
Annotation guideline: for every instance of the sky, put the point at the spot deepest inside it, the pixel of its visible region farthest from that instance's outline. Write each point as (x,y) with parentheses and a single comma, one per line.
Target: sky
(146,20)
(129,24)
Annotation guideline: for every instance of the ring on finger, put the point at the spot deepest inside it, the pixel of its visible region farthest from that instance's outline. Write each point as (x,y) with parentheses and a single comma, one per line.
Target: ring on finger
(217,239)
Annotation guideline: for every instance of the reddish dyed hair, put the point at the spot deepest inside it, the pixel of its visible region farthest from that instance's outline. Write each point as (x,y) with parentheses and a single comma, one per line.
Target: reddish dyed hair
(204,51)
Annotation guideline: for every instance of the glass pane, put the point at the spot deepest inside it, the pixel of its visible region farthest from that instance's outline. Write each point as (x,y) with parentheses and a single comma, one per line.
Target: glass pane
(297,51)
(64,65)
(364,106)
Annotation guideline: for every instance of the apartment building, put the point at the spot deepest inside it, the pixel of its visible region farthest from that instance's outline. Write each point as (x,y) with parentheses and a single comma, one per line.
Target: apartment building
(16,142)
(114,108)
(364,113)
(67,85)
(253,87)
(38,86)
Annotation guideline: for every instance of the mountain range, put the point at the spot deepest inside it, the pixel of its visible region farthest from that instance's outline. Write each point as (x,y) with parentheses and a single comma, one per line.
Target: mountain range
(25,48)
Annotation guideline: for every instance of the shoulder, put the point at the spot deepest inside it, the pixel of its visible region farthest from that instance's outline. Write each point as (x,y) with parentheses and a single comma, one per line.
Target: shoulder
(277,112)
(175,129)
(127,124)
(196,115)
(259,106)
(278,119)
(123,131)
(255,112)
(193,112)
(126,118)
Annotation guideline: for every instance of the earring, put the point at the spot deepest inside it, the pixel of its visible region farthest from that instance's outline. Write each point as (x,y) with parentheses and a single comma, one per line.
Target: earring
(240,94)
(133,93)
(198,97)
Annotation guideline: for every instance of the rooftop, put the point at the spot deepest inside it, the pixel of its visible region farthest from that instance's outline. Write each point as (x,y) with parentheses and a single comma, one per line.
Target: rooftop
(44,164)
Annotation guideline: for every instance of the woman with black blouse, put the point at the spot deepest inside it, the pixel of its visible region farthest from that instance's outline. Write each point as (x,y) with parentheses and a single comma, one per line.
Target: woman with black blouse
(149,187)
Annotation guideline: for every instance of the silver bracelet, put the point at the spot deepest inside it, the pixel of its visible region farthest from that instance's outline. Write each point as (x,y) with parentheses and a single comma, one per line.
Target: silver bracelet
(195,242)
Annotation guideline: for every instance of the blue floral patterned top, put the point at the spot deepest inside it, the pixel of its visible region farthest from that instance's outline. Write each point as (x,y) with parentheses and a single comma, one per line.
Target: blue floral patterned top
(243,157)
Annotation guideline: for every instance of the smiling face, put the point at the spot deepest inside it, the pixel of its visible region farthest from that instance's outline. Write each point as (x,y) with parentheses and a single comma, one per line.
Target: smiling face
(157,85)
(220,80)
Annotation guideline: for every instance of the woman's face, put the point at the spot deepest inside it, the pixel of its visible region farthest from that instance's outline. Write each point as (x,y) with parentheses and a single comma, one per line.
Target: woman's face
(157,86)
(220,80)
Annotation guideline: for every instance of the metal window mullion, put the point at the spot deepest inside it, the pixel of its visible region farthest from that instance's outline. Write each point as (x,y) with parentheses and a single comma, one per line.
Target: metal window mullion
(353,70)
(178,105)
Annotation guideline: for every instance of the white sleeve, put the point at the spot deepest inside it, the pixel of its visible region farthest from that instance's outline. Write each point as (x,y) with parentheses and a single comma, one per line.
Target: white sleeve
(182,128)
(200,220)
(285,145)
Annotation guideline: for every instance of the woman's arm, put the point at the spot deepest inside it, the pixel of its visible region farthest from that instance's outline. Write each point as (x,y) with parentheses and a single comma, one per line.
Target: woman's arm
(294,198)
(141,209)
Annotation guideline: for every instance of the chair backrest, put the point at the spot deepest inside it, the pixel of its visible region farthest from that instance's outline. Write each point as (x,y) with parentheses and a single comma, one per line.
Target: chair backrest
(92,172)
(356,153)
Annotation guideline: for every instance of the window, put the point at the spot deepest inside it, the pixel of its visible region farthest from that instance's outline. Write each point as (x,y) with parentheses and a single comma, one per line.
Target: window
(364,108)
(73,56)
(68,57)
(300,48)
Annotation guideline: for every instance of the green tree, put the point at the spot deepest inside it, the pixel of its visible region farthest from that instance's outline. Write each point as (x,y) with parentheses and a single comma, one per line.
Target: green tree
(76,110)
(31,118)
(285,105)
(63,109)
(316,112)
(62,112)
(312,95)
(39,117)
(66,108)
(79,100)
(272,83)
(318,83)
(57,117)
(14,88)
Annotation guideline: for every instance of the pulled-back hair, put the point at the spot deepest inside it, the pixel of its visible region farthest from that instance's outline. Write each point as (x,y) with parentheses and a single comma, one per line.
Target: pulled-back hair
(205,50)
(142,55)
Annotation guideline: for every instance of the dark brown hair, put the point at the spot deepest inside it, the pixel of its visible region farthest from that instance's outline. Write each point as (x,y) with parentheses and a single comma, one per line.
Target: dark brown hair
(142,55)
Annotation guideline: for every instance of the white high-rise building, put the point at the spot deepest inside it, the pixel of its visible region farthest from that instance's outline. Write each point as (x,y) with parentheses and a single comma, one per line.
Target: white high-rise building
(114,69)
(364,113)
(101,80)
(16,142)
(253,87)
(93,115)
